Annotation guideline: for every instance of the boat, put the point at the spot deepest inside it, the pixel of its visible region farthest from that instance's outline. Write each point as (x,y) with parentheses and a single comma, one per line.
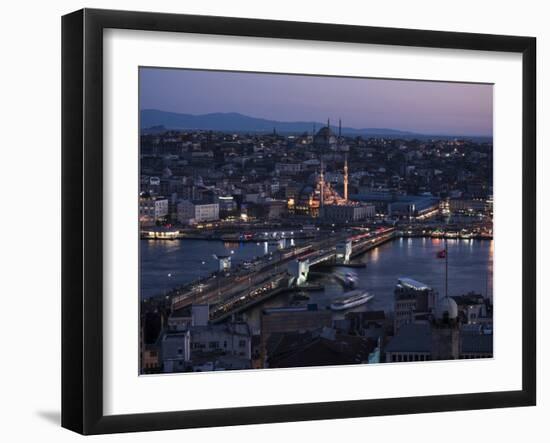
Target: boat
(351,300)
(348,279)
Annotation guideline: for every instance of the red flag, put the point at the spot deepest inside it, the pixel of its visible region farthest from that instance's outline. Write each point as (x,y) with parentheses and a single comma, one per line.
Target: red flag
(442,254)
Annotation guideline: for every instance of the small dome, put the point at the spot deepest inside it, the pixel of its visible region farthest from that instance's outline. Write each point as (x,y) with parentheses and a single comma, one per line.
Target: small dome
(446,307)
(166,173)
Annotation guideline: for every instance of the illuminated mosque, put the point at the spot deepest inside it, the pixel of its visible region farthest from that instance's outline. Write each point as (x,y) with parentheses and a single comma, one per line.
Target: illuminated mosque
(322,199)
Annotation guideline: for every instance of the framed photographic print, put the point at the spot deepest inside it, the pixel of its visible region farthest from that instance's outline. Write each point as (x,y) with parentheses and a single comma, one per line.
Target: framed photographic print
(270,221)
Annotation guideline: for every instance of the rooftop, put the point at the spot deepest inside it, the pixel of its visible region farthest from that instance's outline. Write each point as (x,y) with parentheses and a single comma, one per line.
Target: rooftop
(317,348)
(469,299)
(476,343)
(412,337)
(413,284)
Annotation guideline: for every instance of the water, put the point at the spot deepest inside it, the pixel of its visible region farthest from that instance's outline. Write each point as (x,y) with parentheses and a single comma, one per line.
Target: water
(470,264)
(167,264)
(470,268)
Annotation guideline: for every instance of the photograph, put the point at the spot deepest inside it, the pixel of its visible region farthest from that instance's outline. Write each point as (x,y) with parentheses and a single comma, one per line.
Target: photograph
(291,220)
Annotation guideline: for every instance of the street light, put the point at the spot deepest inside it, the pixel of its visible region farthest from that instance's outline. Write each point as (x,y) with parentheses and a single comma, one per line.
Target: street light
(165,286)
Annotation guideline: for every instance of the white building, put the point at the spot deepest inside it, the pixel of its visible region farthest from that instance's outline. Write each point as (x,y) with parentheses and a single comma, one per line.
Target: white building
(152,209)
(230,339)
(176,351)
(348,213)
(196,212)
(200,314)
(288,168)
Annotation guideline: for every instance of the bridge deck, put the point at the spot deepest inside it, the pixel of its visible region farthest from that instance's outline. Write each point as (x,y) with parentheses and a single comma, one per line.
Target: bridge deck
(232,294)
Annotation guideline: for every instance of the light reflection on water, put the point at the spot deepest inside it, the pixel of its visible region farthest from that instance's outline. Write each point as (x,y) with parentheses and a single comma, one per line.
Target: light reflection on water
(470,268)
(188,260)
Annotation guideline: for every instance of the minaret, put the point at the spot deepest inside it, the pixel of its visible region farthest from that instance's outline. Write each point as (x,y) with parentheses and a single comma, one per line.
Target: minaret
(346,180)
(322,185)
(338,141)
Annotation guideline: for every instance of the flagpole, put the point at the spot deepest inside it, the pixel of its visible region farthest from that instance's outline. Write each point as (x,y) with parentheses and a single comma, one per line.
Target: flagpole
(446,269)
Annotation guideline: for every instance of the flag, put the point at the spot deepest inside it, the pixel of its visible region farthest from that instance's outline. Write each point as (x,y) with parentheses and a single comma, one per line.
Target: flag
(442,254)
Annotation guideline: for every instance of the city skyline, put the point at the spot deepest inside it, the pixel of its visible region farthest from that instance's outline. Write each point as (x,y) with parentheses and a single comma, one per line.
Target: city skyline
(424,107)
(299,245)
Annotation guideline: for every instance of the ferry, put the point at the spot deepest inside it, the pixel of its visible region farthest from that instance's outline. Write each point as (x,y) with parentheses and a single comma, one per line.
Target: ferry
(351,300)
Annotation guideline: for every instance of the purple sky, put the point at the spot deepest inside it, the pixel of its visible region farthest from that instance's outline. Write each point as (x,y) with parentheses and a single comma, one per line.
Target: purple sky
(416,106)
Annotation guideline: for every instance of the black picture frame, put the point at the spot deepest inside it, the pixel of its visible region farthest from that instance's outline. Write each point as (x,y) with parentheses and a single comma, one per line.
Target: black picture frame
(82,215)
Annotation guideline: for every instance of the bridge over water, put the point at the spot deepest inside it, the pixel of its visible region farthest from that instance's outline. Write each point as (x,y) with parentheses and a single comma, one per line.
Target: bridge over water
(228,295)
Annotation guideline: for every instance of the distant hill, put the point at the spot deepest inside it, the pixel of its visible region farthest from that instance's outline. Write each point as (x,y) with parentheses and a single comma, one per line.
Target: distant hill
(153,120)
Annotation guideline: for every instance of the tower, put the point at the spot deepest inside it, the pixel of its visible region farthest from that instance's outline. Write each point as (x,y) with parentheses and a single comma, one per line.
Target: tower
(322,185)
(445,330)
(346,178)
(339,140)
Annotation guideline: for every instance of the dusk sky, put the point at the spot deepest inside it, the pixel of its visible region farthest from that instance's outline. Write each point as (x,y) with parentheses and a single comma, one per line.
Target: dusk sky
(416,106)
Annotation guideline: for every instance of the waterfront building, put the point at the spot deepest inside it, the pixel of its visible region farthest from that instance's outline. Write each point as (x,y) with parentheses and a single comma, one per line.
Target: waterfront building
(192,212)
(417,207)
(350,212)
(152,210)
(276,209)
(227,204)
(412,300)
(469,206)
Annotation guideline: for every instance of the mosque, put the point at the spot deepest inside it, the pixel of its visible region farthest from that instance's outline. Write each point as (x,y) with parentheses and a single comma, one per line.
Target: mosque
(322,200)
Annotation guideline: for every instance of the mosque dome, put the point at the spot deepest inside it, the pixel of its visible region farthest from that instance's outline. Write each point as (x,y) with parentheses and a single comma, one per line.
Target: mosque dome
(446,307)
(324,132)
(325,137)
